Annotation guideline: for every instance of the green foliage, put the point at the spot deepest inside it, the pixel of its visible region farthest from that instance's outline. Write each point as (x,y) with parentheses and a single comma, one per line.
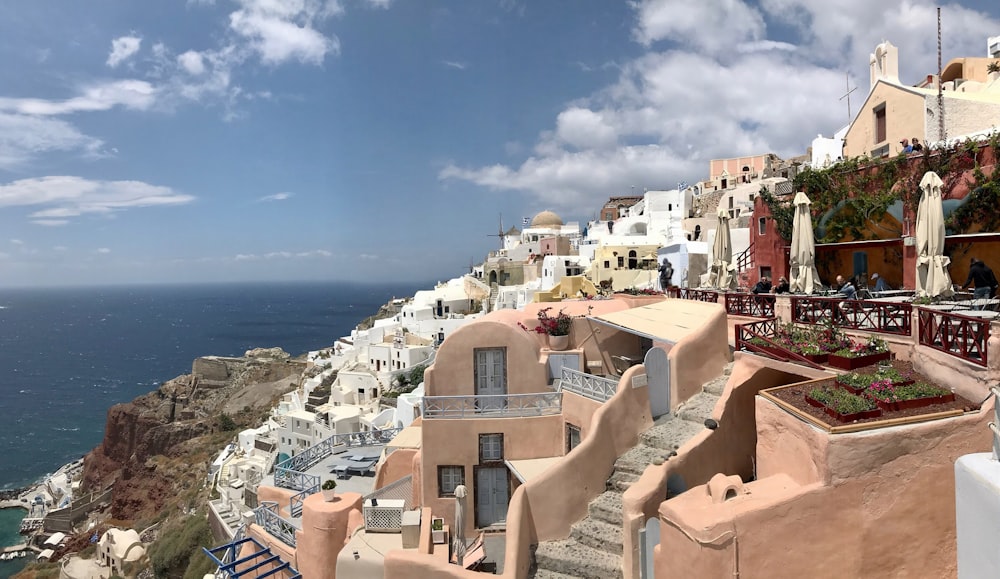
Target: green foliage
(416,374)
(782,213)
(993,66)
(979,213)
(329,484)
(225,422)
(179,546)
(841,400)
(919,390)
(199,566)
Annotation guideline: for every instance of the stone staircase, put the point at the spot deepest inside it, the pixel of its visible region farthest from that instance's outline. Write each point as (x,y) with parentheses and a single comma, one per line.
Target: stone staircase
(595,544)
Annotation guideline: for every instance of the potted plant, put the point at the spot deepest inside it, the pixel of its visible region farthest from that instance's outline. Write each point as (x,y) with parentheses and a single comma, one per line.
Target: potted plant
(556,327)
(860,354)
(329,490)
(437,531)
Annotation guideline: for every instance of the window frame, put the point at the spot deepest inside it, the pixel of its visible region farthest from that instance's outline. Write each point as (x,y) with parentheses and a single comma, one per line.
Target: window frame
(441,479)
(498,436)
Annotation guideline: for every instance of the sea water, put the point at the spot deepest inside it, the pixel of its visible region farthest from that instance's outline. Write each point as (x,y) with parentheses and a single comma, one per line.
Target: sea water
(68,354)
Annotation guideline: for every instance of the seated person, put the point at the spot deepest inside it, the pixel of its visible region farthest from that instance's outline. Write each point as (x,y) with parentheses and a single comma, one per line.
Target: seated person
(763,286)
(782,287)
(846,288)
(880,284)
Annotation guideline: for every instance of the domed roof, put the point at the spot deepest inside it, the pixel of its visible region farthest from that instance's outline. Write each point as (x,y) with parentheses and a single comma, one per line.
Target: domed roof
(547,219)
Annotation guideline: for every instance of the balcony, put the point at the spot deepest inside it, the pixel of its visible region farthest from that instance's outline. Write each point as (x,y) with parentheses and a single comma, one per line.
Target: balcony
(492,406)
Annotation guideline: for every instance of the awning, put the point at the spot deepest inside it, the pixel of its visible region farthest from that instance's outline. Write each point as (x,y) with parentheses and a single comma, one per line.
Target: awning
(529,468)
(667,321)
(55,539)
(46,554)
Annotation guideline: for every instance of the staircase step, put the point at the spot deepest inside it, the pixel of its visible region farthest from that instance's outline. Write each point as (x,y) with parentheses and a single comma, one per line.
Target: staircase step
(571,558)
(671,434)
(699,407)
(717,385)
(607,507)
(598,535)
(622,481)
(636,459)
(547,574)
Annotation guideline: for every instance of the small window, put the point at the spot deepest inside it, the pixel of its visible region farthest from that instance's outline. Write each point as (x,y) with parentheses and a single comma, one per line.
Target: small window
(572,437)
(761,226)
(450,477)
(490,447)
(880,125)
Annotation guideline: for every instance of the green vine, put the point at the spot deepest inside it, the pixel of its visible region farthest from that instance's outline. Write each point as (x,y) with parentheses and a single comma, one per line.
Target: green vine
(850,200)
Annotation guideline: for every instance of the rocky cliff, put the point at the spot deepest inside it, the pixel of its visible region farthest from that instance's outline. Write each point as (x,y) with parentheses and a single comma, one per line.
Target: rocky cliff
(156,449)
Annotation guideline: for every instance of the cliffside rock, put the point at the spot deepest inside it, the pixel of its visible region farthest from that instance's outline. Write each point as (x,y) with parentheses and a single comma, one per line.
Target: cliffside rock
(151,450)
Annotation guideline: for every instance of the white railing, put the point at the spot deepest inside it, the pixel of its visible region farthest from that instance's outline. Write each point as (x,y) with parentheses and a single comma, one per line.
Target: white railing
(995,425)
(492,406)
(587,385)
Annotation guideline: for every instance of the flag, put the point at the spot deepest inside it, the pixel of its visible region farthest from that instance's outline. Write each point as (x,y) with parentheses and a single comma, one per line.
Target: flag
(526,220)
(682,186)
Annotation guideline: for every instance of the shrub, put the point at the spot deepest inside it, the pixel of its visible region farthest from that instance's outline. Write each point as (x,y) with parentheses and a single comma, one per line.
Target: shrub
(178,547)
(225,422)
(329,484)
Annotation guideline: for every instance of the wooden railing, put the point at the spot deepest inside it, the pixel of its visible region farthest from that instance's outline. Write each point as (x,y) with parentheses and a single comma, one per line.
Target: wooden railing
(750,305)
(961,336)
(868,315)
(764,330)
(699,295)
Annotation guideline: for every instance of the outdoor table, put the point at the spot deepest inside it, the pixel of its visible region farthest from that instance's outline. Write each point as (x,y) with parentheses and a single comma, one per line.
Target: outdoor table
(886,293)
(896,299)
(984,314)
(942,307)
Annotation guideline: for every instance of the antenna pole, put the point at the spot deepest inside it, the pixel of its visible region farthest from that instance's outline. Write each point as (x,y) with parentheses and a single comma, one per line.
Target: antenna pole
(940,95)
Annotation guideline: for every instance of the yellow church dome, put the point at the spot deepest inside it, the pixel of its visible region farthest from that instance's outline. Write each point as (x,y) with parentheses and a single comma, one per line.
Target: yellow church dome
(547,219)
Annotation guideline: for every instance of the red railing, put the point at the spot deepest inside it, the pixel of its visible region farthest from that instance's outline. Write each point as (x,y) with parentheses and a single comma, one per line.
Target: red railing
(699,295)
(764,330)
(744,260)
(751,305)
(961,336)
(867,315)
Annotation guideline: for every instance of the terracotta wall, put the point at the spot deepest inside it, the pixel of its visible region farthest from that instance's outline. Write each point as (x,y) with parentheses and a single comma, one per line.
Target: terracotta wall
(397,464)
(453,371)
(456,442)
(873,504)
(728,449)
(700,356)
(325,528)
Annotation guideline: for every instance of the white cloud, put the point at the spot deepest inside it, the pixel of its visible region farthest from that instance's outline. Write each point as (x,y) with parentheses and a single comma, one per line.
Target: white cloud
(23,137)
(103,250)
(192,62)
(122,49)
(379,3)
(283,255)
(368,257)
(17,242)
(60,198)
(131,94)
(714,85)
(284,31)
(276,197)
(713,26)
(454,64)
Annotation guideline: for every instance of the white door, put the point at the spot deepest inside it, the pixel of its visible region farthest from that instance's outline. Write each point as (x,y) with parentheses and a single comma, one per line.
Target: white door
(491,496)
(491,379)
(658,381)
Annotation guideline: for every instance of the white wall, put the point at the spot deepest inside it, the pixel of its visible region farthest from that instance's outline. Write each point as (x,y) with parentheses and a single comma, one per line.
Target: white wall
(977,511)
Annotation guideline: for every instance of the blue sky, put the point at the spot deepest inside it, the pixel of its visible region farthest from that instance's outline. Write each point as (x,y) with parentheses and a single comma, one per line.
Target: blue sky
(233,140)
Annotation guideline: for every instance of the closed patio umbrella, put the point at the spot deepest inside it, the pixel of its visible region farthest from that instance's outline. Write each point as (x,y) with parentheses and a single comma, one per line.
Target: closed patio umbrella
(932,265)
(459,545)
(803,275)
(722,254)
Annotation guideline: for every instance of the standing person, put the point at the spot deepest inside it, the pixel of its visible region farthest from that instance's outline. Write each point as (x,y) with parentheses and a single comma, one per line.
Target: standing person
(846,288)
(915,145)
(666,272)
(982,276)
(782,287)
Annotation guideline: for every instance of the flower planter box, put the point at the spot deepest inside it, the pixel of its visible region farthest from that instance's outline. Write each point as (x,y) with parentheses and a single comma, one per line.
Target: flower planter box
(813,402)
(816,358)
(915,402)
(874,413)
(845,363)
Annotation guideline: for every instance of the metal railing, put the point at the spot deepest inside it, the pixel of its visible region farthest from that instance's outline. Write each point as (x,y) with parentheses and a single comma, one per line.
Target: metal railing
(744,260)
(401,489)
(961,336)
(868,315)
(596,388)
(491,406)
(289,473)
(276,525)
(750,305)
